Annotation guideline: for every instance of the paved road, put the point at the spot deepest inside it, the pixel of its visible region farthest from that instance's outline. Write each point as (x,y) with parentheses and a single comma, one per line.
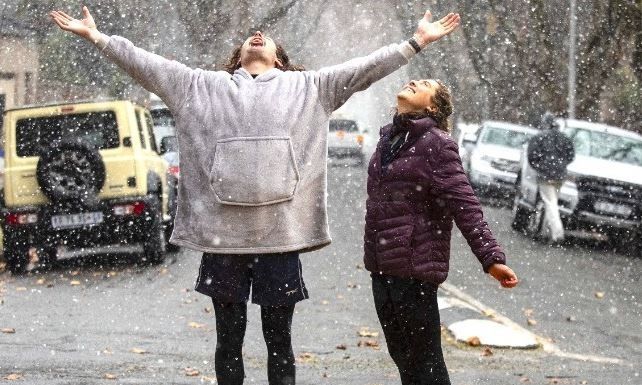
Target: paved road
(145,325)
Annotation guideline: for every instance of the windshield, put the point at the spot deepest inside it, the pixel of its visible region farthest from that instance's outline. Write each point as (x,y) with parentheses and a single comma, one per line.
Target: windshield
(504,137)
(607,146)
(97,128)
(162,117)
(343,125)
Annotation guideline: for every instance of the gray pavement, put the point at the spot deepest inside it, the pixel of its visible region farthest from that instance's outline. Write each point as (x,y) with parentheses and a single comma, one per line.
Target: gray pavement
(145,325)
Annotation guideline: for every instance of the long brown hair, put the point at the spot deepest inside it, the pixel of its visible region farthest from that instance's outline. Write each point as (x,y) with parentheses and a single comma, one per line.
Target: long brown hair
(234,62)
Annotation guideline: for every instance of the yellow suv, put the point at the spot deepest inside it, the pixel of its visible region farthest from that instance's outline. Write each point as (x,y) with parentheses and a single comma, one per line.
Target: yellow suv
(83,178)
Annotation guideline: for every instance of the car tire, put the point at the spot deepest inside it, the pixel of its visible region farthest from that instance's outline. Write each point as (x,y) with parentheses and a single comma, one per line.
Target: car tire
(15,253)
(70,171)
(154,245)
(170,247)
(536,220)
(520,216)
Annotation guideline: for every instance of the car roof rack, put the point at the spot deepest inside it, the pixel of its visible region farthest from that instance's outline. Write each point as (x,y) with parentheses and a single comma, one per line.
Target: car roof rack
(70,102)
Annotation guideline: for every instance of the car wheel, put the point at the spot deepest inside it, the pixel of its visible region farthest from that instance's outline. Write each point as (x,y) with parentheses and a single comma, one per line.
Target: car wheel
(70,171)
(520,215)
(535,220)
(15,253)
(154,245)
(170,247)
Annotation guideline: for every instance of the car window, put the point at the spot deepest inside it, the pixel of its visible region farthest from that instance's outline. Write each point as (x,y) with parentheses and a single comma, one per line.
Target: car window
(343,125)
(162,117)
(140,123)
(97,128)
(504,137)
(150,131)
(608,146)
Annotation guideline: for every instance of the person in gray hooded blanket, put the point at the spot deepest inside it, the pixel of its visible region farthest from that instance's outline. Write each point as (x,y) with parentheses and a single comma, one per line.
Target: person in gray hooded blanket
(252,193)
(549,153)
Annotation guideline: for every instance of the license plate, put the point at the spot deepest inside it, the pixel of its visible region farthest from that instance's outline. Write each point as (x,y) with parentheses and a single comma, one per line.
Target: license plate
(76,220)
(612,208)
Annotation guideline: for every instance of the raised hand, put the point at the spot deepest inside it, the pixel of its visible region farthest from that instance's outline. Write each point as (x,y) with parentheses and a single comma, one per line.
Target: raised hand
(84,28)
(428,31)
(504,274)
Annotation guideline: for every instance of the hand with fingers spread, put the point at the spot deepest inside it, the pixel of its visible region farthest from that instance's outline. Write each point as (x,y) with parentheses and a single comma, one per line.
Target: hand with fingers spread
(428,31)
(85,28)
(504,274)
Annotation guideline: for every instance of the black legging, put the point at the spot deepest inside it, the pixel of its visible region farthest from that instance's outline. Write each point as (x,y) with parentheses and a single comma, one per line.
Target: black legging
(231,320)
(409,315)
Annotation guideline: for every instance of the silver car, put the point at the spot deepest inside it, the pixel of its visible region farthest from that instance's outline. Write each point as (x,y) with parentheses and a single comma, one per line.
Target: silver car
(602,194)
(494,160)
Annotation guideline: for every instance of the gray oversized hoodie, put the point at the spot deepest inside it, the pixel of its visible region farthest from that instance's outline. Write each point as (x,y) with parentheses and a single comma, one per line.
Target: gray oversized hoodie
(253,150)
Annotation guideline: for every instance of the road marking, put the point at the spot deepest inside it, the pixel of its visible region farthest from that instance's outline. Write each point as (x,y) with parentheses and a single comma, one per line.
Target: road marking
(547,346)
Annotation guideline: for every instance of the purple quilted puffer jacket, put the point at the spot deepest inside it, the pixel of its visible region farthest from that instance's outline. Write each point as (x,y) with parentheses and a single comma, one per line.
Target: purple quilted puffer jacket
(411,207)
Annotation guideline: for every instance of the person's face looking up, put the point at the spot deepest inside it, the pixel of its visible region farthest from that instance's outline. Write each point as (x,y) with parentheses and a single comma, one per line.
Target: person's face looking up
(417,96)
(259,47)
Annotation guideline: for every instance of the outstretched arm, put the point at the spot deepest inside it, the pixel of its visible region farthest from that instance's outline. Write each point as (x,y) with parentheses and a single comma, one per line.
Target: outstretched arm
(167,78)
(455,192)
(337,83)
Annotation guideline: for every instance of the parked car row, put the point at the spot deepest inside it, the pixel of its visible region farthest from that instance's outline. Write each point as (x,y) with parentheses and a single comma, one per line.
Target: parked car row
(601,195)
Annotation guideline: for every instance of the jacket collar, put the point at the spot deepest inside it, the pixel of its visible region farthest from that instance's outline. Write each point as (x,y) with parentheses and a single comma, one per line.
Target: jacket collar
(264,77)
(416,127)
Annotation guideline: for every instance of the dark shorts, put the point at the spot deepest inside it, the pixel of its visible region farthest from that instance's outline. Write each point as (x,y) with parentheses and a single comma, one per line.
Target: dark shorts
(275,279)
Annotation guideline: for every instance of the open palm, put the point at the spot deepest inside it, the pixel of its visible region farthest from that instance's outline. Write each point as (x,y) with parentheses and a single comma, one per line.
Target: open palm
(428,31)
(79,27)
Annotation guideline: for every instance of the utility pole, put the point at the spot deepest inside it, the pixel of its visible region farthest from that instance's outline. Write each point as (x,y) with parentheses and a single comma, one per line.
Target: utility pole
(571,59)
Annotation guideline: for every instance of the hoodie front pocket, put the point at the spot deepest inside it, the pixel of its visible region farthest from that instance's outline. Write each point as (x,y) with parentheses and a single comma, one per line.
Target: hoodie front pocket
(254,171)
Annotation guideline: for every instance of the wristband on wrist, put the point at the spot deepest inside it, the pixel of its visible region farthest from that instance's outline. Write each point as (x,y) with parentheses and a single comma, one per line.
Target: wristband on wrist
(414,44)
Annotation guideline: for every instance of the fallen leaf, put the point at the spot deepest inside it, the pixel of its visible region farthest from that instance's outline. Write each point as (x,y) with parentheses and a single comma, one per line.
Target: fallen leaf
(366,332)
(369,344)
(14,377)
(531,322)
(74,283)
(325,302)
(107,351)
(196,325)
(583,382)
(185,290)
(488,313)
(524,379)
(306,357)
(109,376)
(339,296)
(211,380)
(138,351)
(487,352)
(40,281)
(353,286)
(599,294)
(21,288)
(8,330)
(191,372)
(74,273)
(571,319)
(207,309)
(342,347)
(473,341)
(528,312)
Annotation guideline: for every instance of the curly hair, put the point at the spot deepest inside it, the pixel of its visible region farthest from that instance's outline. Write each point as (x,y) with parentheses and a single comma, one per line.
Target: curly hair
(234,62)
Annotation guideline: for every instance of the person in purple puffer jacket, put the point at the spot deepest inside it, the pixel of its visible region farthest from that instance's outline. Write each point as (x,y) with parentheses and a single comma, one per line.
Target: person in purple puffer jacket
(416,188)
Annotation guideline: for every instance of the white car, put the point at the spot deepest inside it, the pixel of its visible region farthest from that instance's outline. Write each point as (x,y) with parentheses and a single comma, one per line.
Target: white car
(603,190)
(346,139)
(494,160)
